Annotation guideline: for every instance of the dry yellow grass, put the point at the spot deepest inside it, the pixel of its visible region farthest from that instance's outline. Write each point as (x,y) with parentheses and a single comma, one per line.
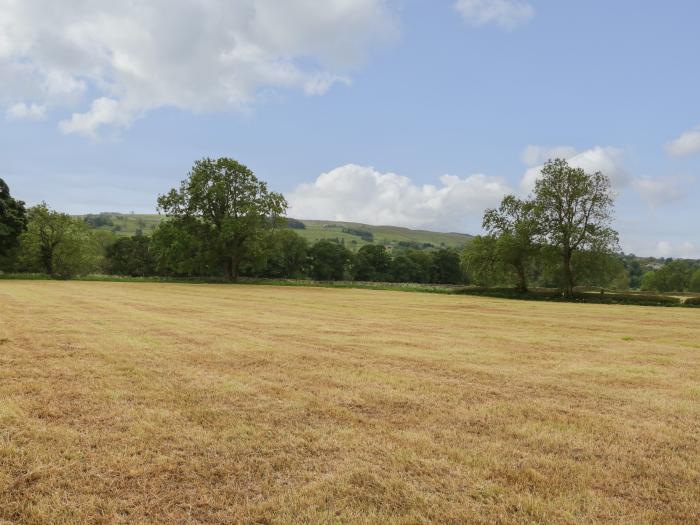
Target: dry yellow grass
(148,403)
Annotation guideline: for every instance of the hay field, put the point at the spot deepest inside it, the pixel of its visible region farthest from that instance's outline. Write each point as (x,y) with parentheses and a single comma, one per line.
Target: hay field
(165,403)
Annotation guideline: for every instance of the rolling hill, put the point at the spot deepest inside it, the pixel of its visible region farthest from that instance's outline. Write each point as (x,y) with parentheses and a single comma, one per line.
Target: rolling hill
(352,234)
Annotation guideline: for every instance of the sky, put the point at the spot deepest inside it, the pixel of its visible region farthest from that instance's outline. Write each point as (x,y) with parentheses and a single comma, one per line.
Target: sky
(404,112)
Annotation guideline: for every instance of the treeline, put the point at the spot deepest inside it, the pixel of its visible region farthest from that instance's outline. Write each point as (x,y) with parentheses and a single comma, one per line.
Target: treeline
(57,244)
(224,223)
(284,255)
(559,237)
(674,276)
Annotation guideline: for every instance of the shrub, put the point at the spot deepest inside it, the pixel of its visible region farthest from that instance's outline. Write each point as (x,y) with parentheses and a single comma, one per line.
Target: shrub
(365,235)
(593,298)
(295,224)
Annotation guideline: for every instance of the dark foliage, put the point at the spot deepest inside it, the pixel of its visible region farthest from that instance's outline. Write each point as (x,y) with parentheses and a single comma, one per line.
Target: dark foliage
(294,224)
(131,256)
(329,261)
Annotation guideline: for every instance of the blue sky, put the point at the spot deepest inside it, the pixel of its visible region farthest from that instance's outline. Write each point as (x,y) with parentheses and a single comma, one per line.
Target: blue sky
(400,112)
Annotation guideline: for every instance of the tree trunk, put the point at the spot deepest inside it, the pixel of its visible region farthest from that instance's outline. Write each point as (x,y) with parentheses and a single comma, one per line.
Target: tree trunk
(231,267)
(522,279)
(228,269)
(235,264)
(568,274)
(47,259)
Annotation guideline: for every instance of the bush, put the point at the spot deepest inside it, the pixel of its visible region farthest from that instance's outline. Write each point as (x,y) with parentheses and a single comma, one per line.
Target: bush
(592,298)
(692,301)
(365,235)
(97,221)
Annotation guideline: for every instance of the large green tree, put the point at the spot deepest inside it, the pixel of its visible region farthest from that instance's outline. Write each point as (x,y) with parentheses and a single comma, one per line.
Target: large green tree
(179,247)
(481,261)
(329,261)
(372,263)
(131,256)
(13,220)
(574,211)
(57,244)
(446,267)
(694,285)
(514,225)
(287,255)
(231,203)
(674,276)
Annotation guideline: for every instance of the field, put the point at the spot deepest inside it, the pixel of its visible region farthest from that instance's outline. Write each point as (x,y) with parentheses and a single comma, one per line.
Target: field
(182,403)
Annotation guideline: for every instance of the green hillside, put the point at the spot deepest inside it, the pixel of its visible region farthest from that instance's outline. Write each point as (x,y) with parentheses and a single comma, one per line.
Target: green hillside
(352,234)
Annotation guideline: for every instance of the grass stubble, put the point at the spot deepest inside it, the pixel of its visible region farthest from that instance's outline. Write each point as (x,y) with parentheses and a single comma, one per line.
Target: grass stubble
(168,403)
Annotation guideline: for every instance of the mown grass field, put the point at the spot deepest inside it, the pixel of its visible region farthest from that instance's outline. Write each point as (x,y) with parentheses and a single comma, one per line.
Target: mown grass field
(169,403)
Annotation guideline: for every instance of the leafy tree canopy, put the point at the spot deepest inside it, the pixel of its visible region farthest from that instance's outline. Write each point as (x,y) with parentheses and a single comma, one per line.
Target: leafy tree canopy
(372,263)
(574,211)
(58,244)
(514,225)
(234,206)
(13,219)
(328,261)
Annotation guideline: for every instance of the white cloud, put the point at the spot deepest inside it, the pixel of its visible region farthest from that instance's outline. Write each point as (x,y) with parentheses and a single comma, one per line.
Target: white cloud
(659,191)
(22,111)
(683,250)
(687,144)
(188,54)
(504,13)
(538,155)
(103,111)
(607,160)
(362,194)
(663,249)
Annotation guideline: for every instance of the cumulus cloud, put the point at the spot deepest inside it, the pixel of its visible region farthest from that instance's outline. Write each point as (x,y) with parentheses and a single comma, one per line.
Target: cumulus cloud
(682,250)
(687,144)
(504,13)
(607,160)
(363,194)
(538,155)
(187,54)
(22,111)
(659,191)
(103,111)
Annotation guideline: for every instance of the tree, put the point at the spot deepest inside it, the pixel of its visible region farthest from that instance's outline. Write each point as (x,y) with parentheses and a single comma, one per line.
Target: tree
(328,261)
(57,244)
(446,267)
(13,220)
(131,256)
(481,262)
(235,208)
(372,263)
(411,266)
(574,210)
(514,224)
(403,269)
(634,270)
(694,285)
(599,269)
(650,281)
(288,254)
(179,247)
(674,276)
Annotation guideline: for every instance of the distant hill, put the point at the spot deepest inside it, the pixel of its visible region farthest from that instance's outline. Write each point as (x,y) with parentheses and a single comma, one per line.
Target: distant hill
(352,234)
